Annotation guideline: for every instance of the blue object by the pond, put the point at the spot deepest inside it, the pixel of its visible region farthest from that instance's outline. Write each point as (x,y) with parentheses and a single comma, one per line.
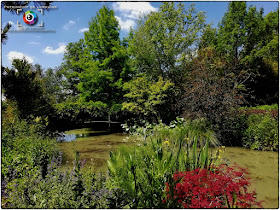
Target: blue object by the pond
(67,138)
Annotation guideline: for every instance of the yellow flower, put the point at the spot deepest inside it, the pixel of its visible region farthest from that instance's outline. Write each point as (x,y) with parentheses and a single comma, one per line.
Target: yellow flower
(187,139)
(167,142)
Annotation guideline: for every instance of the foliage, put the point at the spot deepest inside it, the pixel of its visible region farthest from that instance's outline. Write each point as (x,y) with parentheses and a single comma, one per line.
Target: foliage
(22,84)
(271,110)
(162,40)
(97,66)
(212,91)
(79,188)
(148,98)
(249,41)
(143,170)
(262,132)
(232,30)
(253,127)
(221,187)
(76,112)
(32,177)
(4,32)
(54,85)
(25,146)
(107,68)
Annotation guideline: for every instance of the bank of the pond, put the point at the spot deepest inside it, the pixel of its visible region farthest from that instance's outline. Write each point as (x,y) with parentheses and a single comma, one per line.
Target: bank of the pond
(95,148)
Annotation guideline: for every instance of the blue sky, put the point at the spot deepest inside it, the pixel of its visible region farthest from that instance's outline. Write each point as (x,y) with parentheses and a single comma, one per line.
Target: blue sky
(70,19)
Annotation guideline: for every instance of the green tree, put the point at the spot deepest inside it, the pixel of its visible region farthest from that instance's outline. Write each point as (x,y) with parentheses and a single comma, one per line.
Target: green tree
(232,31)
(148,98)
(250,43)
(106,67)
(73,64)
(53,84)
(209,37)
(4,36)
(163,40)
(23,85)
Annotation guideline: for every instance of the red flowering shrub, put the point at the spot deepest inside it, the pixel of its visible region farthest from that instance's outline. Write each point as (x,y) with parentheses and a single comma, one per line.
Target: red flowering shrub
(222,187)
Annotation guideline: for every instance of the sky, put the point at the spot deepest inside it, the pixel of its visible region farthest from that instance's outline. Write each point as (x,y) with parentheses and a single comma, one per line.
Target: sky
(69,20)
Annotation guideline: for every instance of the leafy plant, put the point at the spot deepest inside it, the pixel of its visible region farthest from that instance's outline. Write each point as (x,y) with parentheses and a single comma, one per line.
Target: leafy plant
(221,187)
(262,132)
(143,170)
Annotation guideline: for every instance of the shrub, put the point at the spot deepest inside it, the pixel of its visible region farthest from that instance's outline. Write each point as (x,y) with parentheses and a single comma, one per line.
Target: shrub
(221,187)
(262,132)
(79,188)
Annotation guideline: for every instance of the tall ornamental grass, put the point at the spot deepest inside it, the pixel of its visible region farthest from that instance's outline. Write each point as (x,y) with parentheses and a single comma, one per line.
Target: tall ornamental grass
(143,170)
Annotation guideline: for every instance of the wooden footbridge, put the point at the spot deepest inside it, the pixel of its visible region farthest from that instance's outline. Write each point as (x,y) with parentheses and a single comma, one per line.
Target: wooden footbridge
(102,121)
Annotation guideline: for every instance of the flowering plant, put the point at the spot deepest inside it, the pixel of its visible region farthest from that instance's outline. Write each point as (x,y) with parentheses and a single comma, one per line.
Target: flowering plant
(221,187)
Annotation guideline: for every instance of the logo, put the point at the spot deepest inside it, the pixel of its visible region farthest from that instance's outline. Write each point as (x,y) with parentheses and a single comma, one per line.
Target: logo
(30,17)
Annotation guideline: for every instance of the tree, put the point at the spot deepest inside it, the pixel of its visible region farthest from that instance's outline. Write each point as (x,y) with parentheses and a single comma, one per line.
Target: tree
(53,84)
(163,40)
(232,31)
(250,43)
(23,85)
(73,64)
(212,91)
(105,67)
(148,98)
(209,37)
(261,54)
(4,32)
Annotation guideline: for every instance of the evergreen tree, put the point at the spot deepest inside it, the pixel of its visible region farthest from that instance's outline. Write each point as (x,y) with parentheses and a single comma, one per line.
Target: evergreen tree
(105,66)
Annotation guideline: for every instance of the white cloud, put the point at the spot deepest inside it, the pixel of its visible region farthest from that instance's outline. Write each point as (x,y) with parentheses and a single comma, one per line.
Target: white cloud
(129,12)
(19,55)
(126,24)
(83,30)
(59,50)
(69,24)
(133,9)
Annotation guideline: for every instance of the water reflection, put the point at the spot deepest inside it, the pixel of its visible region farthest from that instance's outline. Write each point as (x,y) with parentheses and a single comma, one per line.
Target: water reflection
(68,137)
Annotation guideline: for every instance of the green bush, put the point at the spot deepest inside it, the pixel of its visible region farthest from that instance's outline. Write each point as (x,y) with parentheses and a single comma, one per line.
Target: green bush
(143,170)
(262,132)
(24,146)
(244,129)
(79,188)
(32,177)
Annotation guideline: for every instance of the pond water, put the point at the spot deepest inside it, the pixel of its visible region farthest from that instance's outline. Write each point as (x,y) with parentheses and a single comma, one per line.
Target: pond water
(95,147)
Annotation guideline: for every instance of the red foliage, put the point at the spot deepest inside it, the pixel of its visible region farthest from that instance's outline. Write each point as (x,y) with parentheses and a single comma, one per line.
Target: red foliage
(272,112)
(223,187)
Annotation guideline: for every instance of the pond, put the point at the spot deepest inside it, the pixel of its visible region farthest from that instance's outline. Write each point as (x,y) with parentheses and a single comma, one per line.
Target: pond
(95,147)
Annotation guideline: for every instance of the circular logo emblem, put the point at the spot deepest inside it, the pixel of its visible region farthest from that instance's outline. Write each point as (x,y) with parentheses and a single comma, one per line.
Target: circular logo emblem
(30,17)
